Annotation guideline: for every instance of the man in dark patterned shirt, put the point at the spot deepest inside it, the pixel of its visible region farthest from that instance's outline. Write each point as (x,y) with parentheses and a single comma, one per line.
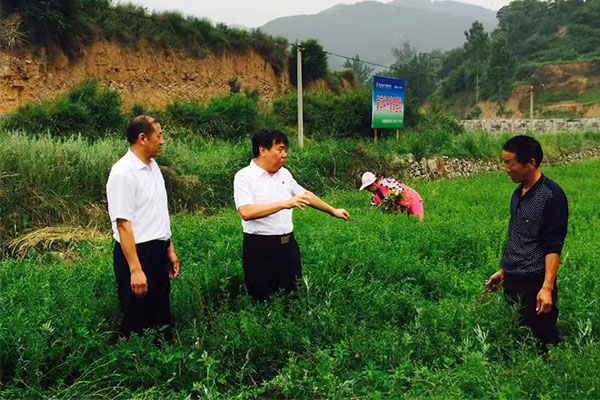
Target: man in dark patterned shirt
(538,226)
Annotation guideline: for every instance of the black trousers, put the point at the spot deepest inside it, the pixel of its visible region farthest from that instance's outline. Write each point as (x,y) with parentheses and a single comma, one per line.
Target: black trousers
(271,263)
(524,291)
(154,309)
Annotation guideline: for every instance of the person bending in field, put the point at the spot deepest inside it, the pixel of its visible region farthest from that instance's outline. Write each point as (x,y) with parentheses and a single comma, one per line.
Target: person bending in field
(539,216)
(409,200)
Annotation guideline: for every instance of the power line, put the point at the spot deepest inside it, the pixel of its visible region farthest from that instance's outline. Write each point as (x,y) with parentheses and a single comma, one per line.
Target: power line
(350,58)
(357,60)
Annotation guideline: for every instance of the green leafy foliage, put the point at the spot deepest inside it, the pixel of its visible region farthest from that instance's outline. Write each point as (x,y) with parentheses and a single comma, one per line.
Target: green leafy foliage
(387,308)
(361,72)
(51,22)
(46,182)
(232,117)
(314,62)
(87,109)
(346,115)
(530,33)
(419,72)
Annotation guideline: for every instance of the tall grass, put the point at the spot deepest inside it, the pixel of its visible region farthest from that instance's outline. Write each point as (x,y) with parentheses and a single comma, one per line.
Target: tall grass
(46,181)
(388,308)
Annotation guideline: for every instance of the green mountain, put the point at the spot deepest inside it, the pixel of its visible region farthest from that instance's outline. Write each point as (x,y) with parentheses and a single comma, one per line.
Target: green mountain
(371,29)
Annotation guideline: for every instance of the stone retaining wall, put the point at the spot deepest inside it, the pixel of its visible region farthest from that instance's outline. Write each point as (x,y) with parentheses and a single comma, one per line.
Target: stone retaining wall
(450,168)
(533,125)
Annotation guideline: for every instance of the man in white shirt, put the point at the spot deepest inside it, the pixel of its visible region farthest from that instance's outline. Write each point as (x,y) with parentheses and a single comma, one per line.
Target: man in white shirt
(265,195)
(144,256)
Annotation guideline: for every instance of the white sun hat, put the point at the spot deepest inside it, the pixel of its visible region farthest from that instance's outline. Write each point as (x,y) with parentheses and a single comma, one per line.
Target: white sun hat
(368,178)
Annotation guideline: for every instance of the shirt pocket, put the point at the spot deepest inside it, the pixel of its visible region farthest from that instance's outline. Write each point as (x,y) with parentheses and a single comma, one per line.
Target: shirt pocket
(529,226)
(282,190)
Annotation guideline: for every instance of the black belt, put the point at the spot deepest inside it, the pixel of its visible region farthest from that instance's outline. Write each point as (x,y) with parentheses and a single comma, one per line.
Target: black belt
(156,242)
(269,239)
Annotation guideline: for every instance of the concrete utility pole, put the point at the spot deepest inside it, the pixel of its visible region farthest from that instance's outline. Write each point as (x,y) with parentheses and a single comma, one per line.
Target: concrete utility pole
(531,102)
(299,79)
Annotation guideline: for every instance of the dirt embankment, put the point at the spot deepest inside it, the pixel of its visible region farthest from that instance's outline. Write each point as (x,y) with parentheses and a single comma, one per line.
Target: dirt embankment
(577,77)
(146,75)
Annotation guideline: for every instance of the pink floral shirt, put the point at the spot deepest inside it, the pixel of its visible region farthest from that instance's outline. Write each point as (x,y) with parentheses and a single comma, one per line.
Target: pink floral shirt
(411,200)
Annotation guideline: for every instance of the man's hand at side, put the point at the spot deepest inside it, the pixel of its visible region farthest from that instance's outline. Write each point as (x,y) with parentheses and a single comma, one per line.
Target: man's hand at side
(544,301)
(496,281)
(173,262)
(139,283)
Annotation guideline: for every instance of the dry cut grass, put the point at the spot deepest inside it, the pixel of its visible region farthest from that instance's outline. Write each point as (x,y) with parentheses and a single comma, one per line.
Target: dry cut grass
(54,237)
(11,35)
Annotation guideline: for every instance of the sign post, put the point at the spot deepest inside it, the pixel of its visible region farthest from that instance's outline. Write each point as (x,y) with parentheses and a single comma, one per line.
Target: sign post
(299,84)
(388,104)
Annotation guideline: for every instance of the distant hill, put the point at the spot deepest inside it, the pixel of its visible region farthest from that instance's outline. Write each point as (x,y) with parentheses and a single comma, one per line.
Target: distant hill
(450,7)
(371,29)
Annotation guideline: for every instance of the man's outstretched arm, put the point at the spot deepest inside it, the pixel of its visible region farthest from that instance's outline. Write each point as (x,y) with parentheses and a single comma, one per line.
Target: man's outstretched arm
(316,202)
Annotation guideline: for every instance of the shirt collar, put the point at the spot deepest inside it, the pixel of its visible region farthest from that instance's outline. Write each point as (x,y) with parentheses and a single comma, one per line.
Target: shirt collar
(258,171)
(533,188)
(136,162)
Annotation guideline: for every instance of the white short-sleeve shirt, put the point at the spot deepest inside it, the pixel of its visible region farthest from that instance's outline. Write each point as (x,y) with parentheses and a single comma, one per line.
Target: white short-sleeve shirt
(137,193)
(254,185)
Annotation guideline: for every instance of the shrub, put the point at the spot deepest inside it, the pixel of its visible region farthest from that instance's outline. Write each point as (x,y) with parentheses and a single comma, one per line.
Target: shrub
(51,22)
(334,83)
(139,109)
(184,114)
(438,120)
(330,115)
(234,85)
(230,117)
(314,62)
(273,50)
(88,109)
(474,113)
(253,95)
(11,35)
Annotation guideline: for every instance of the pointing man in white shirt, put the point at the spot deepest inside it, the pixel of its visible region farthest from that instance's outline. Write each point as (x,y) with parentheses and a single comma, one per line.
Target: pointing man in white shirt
(144,256)
(265,194)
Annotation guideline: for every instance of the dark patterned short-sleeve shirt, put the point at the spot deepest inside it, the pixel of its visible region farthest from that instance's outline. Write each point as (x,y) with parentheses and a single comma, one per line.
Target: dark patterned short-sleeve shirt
(538,226)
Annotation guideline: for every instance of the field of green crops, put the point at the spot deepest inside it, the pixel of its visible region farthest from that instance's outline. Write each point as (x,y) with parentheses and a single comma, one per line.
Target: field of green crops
(388,308)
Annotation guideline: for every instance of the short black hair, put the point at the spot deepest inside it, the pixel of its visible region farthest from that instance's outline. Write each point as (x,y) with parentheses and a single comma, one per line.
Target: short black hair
(266,138)
(140,124)
(525,148)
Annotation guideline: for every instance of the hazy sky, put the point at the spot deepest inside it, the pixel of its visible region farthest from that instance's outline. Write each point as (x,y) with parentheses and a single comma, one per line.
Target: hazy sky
(254,13)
